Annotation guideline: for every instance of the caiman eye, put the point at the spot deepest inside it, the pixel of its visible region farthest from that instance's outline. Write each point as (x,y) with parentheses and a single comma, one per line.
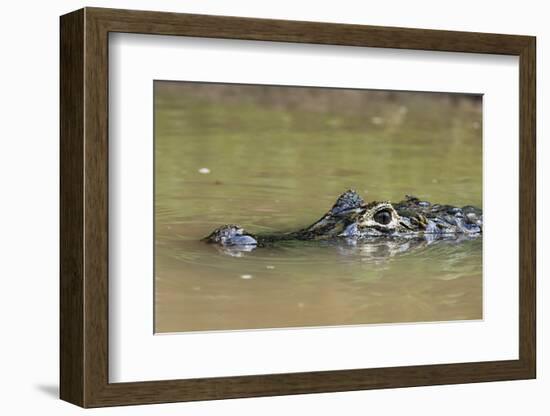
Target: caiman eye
(383,217)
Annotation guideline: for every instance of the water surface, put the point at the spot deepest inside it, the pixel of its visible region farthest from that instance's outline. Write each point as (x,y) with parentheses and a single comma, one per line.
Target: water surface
(276,161)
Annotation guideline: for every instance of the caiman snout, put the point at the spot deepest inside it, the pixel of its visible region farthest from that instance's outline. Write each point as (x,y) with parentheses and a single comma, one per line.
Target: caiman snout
(231,235)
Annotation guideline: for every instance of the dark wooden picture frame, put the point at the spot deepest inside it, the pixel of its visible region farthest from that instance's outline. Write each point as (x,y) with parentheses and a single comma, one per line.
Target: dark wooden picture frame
(84,207)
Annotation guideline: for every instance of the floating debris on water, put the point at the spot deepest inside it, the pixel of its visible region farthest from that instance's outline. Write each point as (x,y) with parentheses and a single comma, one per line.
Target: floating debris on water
(246,276)
(204,171)
(270,267)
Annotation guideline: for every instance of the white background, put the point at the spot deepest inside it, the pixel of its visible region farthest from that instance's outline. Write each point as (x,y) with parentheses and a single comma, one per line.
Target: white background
(29,212)
(136,355)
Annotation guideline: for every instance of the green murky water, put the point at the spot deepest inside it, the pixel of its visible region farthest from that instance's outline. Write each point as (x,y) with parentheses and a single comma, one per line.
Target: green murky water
(277,160)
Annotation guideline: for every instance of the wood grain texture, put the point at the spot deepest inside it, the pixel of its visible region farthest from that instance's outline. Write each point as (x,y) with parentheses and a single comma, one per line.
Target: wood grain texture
(162,23)
(527,207)
(71,100)
(96,218)
(84,207)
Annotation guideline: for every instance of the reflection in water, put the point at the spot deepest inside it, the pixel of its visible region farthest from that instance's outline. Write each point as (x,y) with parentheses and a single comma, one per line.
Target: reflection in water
(275,167)
(376,248)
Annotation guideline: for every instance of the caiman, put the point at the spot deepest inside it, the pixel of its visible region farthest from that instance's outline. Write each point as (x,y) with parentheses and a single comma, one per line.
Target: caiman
(353,219)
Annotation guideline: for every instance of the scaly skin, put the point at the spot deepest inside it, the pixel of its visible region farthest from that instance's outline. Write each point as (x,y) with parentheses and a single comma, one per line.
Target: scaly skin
(352,219)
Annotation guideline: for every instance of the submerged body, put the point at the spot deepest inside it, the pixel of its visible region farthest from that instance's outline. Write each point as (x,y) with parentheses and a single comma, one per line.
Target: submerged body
(352,219)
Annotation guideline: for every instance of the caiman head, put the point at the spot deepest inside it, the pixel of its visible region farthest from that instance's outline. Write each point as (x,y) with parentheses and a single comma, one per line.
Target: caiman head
(351,216)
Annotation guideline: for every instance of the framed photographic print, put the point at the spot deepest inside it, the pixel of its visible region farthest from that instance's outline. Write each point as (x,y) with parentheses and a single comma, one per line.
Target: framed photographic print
(255,207)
